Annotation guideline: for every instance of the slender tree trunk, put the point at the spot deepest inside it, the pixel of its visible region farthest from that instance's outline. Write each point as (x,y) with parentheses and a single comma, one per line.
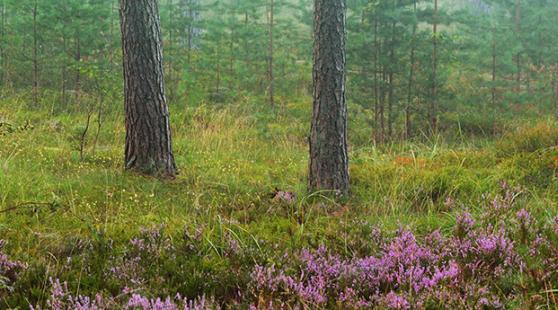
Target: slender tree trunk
(64,68)
(78,65)
(411,76)
(434,99)
(383,105)
(148,133)
(218,77)
(170,54)
(190,32)
(391,81)
(111,34)
(518,76)
(494,71)
(2,43)
(271,78)
(35,91)
(518,33)
(555,88)
(376,84)
(231,57)
(328,138)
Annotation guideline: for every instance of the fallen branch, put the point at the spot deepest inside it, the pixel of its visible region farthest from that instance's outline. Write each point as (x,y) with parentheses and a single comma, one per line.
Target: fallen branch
(27,204)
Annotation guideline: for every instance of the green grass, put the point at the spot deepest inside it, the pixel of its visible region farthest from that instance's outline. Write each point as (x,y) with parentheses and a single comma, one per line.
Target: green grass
(230,159)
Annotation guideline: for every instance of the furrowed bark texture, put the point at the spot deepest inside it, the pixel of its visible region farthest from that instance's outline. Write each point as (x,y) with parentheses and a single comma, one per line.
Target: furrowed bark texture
(328,137)
(148,135)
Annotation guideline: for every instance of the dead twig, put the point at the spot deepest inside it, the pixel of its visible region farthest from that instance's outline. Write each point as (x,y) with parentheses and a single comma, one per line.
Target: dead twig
(27,204)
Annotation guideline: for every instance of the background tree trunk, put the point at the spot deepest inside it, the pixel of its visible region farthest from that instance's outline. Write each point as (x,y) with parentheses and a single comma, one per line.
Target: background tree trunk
(271,78)
(148,136)
(376,84)
(434,100)
(2,43)
(328,139)
(35,90)
(411,75)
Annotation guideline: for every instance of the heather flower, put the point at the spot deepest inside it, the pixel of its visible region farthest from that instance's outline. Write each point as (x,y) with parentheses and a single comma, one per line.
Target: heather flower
(464,224)
(61,299)
(524,217)
(394,301)
(9,270)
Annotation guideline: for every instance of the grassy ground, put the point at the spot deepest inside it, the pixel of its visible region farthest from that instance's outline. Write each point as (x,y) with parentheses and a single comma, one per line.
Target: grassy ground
(231,158)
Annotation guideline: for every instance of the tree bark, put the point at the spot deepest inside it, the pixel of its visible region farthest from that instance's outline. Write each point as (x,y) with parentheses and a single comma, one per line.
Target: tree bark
(391,81)
(170,54)
(2,38)
(493,71)
(328,138)
(434,100)
(148,134)
(411,75)
(77,58)
(376,86)
(517,22)
(555,88)
(35,90)
(271,78)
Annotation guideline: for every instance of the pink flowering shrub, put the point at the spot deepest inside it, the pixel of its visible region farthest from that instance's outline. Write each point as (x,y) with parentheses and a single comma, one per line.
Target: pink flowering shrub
(502,257)
(62,299)
(9,270)
(478,265)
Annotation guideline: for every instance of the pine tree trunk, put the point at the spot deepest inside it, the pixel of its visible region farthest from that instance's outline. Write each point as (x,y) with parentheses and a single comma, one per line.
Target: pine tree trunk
(231,57)
(517,22)
(376,86)
(555,88)
(391,80)
(383,105)
(190,33)
(494,72)
(64,69)
(77,59)
(411,76)
(148,134)
(2,38)
(328,138)
(170,54)
(434,99)
(271,78)
(35,90)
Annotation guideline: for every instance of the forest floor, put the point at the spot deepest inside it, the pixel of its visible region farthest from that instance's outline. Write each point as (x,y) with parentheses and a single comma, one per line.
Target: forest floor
(231,159)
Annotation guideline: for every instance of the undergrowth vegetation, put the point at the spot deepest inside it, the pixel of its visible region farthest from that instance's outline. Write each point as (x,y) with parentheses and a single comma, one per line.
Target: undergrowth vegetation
(237,228)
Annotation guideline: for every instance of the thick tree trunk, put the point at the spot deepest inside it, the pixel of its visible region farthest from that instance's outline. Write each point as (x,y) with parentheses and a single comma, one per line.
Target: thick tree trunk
(148,134)
(328,138)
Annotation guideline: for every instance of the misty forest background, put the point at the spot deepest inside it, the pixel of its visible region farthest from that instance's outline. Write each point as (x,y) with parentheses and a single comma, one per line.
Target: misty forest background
(493,57)
(453,158)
